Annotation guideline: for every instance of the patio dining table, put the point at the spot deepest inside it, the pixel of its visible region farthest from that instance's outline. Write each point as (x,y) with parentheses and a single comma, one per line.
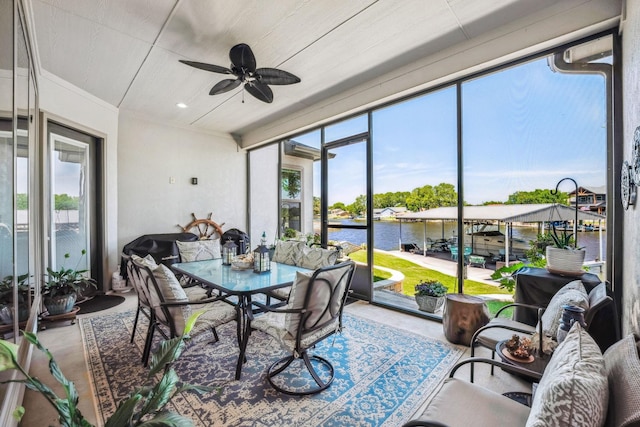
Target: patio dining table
(243,284)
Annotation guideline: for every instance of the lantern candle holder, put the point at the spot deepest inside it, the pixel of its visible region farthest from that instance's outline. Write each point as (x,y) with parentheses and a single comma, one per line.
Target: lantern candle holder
(261,261)
(229,252)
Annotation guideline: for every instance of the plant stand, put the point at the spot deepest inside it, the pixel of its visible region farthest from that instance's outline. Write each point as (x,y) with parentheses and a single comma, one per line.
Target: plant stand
(70,317)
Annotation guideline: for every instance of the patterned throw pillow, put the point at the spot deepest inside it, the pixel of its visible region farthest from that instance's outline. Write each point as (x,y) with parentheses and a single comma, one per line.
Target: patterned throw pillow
(172,291)
(296,301)
(288,252)
(622,361)
(314,258)
(572,293)
(574,388)
(199,250)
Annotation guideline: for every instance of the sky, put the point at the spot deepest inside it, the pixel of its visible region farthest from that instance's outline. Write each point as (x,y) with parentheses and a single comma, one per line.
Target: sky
(523,128)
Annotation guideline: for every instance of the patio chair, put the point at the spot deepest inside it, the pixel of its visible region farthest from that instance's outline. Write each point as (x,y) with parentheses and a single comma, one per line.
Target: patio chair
(500,328)
(454,253)
(171,307)
(133,278)
(313,313)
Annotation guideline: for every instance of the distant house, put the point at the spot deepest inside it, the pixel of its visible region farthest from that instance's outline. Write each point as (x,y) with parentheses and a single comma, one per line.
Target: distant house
(593,199)
(387,213)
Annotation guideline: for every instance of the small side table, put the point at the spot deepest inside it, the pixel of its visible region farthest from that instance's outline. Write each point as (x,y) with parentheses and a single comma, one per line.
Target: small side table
(538,365)
(463,316)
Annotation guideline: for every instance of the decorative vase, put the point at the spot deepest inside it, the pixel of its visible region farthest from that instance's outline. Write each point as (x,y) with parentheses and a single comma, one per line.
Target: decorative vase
(428,303)
(565,260)
(570,315)
(60,304)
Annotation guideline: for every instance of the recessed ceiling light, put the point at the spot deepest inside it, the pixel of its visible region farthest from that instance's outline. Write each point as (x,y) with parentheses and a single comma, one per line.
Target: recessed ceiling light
(181,105)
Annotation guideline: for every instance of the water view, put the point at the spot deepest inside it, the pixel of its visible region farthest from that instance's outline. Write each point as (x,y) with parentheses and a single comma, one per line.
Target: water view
(388,234)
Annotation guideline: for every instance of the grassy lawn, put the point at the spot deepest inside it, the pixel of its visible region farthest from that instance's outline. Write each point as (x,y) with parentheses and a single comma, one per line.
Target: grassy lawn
(414,273)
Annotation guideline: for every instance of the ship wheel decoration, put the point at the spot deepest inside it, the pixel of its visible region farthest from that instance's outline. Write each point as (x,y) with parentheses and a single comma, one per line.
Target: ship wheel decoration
(627,186)
(635,161)
(204,228)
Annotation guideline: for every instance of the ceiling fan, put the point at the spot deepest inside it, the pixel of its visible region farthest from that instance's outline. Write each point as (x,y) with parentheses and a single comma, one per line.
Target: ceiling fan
(243,66)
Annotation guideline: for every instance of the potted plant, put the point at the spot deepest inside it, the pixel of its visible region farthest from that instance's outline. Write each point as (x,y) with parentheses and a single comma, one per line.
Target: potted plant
(6,299)
(61,287)
(562,256)
(430,295)
(144,406)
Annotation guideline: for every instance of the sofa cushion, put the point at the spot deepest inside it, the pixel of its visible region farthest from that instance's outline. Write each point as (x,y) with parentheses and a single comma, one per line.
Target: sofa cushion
(572,293)
(199,250)
(574,389)
(314,258)
(622,361)
(288,252)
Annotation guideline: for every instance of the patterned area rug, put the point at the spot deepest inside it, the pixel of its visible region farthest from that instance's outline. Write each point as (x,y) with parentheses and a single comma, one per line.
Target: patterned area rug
(383,375)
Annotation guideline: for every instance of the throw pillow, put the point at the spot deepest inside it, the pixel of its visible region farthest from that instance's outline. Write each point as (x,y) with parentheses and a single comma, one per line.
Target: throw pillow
(314,258)
(622,361)
(572,293)
(171,291)
(199,250)
(296,301)
(288,252)
(574,389)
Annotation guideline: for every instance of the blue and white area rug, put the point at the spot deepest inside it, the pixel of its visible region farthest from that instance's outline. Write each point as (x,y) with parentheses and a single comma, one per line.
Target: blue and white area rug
(383,375)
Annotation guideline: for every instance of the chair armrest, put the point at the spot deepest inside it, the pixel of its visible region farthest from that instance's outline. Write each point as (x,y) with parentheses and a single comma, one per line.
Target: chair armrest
(278,309)
(518,304)
(222,298)
(511,368)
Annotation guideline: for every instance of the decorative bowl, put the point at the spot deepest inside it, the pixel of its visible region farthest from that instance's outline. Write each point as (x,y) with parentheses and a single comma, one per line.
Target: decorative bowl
(242,262)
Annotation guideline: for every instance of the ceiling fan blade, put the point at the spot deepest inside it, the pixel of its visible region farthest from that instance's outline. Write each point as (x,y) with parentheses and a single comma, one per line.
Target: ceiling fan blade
(224,86)
(260,91)
(242,57)
(272,76)
(207,67)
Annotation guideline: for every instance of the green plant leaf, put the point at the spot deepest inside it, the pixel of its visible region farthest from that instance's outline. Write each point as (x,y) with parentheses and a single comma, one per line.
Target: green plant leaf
(124,413)
(162,392)
(8,355)
(167,419)
(18,413)
(191,321)
(168,351)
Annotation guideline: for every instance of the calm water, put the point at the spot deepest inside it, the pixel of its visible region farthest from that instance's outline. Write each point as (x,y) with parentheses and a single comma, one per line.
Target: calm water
(387,235)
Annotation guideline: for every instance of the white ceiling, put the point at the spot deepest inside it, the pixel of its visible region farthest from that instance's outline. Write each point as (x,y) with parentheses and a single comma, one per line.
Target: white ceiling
(126,52)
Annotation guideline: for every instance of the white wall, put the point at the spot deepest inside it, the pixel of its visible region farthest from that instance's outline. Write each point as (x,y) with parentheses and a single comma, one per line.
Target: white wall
(306,166)
(150,153)
(91,114)
(631,120)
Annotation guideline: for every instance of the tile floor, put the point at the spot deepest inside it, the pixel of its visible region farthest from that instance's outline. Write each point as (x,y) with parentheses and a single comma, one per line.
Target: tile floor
(65,342)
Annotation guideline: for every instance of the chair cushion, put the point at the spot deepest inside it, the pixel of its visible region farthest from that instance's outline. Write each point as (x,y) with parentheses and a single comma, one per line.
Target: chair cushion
(172,292)
(461,403)
(288,252)
(273,323)
(622,361)
(296,301)
(572,293)
(314,258)
(199,250)
(574,389)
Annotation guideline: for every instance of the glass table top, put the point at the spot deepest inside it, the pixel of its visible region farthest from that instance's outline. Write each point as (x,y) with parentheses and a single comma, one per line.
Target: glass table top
(213,273)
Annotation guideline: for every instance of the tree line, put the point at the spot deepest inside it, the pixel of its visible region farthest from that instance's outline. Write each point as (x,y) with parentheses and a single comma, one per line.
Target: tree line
(61,202)
(441,195)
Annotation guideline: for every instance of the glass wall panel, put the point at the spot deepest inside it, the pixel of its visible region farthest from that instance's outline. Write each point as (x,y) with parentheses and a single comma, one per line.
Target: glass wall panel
(346,128)
(525,129)
(6,140)
(264,187)
(414,169)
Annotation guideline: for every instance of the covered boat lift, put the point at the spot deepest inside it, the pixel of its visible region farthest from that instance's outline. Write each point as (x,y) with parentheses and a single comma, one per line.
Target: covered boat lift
(507,214)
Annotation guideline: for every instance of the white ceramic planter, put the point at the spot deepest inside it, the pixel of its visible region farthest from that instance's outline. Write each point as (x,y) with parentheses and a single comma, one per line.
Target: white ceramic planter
(565,260)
